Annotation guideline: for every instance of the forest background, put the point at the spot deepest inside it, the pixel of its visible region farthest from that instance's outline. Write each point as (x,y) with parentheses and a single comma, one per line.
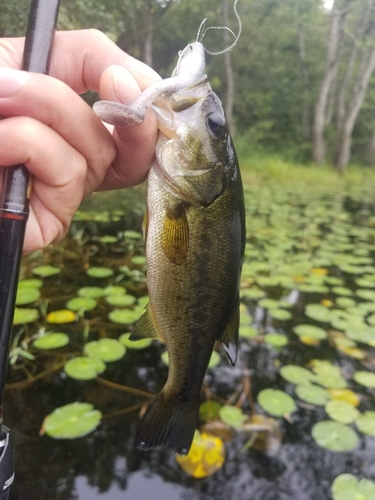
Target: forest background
(300,82)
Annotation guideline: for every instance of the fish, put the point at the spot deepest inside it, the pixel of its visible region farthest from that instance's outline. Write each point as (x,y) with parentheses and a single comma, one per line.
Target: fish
(194,242)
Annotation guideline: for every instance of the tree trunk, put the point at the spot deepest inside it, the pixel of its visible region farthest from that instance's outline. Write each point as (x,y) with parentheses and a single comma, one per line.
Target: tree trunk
(334,46)
(147,47)
(305,113)
(229,100)
(355,104)
(362,27)
(370,153)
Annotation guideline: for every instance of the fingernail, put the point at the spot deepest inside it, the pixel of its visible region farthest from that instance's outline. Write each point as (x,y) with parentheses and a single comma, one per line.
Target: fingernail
(11,80)
(142,69)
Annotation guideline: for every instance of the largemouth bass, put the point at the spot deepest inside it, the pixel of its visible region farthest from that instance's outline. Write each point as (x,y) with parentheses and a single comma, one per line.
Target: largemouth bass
(195,233)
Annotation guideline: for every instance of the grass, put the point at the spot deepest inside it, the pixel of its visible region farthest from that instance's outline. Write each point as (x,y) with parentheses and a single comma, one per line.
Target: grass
(259,166)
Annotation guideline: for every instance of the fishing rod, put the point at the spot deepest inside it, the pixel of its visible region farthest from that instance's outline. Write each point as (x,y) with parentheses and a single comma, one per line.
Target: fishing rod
(14,211)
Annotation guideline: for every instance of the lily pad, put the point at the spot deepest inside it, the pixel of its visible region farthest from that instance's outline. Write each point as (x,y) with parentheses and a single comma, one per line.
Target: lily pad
(366,294)
(51,341)
(132,235)
(45,271)
(206,456)
(318,312)
(84,368)
(276,339)
(232,416)
(123,300)
(305,330)
(280,314)
(23,315)
(341,411)
(27,295)
(35,283)
(268,303)
(72,421)
(105,349)
(334,436)
(248,332)
(347,487)
(366,423)
(312,394)
(114,290)
(209,410)
(134,344)
(366,379)
(81,304)
(99,272)
(341,290)
(107,239)
(125,316)
(61,316)
(93,292)
(296,374)
(254,293)
(139,260)
(276,403)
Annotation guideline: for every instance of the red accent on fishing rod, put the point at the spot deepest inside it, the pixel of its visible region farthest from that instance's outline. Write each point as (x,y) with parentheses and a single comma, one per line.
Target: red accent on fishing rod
(14,210)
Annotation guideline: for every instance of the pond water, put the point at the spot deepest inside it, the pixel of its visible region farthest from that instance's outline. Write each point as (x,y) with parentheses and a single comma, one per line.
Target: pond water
(309,263)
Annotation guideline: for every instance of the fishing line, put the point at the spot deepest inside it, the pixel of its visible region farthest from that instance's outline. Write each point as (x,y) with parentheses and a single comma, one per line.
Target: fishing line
(202,32)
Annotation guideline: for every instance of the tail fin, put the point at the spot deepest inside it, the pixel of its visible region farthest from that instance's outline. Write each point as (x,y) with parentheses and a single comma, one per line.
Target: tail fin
(170,422)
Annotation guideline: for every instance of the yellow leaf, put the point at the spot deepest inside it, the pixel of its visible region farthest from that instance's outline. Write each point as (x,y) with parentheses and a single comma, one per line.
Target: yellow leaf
(345,395)
(319,271)
(299,279)
(61,316)
(326,302)
(309,340)
(353,352)
(206,456)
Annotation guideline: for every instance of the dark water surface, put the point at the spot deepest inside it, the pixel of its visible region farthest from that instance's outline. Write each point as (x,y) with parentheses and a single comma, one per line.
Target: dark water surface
(104,465)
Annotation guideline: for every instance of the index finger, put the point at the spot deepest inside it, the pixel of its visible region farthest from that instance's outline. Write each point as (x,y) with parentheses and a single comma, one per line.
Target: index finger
(79,59)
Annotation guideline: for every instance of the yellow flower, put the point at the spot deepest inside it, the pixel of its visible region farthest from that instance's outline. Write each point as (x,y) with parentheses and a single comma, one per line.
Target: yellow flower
(206,456)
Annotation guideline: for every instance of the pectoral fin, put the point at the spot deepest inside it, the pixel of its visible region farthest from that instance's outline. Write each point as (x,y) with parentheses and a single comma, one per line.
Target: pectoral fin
(175,237)
(146,327)
(229,338)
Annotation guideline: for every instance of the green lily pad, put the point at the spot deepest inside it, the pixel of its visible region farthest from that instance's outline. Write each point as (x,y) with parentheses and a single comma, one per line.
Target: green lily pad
(366,423)
(345,302)
(313,288)
(132,235)
(105,349)
(254,293)
(33,283)
(51,341)
(365,283)
(276,403)
(27,295)
(232,416)
(334,436)
(296,374)
(248,332)
(134,344)
(125,316)
(314,332)
(366,294)
(114,290)
(23,315)
(93,292)
(123,300)
(139,260)
(312,394)
(280,314)
(360,333)
(347,487)
(276,339)
(366,379)
(99,272)
(84,368)
(45,271)
(318,312)
(72,421)
(143,301)
(341,290)
(341,411)
(81,304)
(107,239)
(268,303)
(209,410)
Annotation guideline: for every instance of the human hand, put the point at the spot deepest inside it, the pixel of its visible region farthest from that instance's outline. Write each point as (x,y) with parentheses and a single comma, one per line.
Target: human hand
(66,148)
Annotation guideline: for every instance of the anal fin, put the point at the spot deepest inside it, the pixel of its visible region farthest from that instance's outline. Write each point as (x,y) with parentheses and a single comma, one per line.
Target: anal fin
(146,327)
(229,337)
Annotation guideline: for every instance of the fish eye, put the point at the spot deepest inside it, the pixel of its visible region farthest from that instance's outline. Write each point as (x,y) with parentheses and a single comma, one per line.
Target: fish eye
(216,123)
